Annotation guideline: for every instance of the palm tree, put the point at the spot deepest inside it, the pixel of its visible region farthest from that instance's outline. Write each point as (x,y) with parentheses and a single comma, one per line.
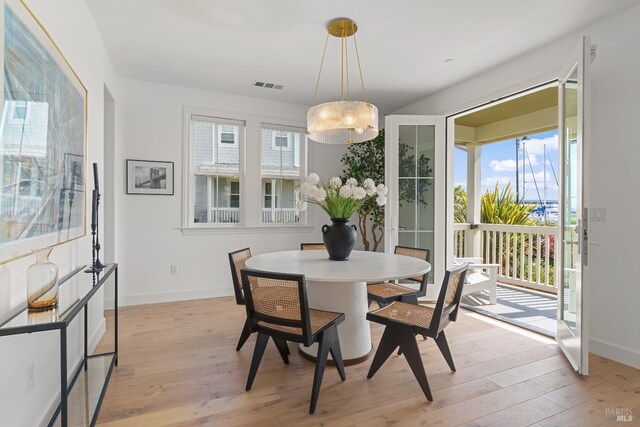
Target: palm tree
(459,205)
(502,207)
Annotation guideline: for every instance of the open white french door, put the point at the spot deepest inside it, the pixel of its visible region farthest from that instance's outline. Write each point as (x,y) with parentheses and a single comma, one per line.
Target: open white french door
(415,171)
(573,245)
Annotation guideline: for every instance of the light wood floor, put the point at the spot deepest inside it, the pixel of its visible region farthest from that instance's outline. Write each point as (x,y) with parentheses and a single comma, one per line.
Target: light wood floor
(178,367)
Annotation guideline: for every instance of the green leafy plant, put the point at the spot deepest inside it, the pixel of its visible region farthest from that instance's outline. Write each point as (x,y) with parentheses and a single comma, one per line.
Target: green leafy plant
(366,160)
(502,207)
(459,204)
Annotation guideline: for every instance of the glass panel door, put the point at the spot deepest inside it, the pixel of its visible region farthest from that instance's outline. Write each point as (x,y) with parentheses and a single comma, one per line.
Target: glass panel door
(416,151)
(415,176)
(573,97)
(570,198)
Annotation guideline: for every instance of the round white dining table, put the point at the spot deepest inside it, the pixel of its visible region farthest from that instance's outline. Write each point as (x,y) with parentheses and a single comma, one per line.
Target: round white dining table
(341,286)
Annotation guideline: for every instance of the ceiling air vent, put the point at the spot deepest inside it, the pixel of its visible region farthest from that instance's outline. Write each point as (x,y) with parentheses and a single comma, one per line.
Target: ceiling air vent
(267,85)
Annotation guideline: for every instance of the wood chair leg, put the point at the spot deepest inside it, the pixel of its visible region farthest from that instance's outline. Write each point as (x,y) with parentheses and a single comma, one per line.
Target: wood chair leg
(409,347)
(400,349)
(336,352)
(444,349)
(321,362)
(410,299)
(283,349)
(246,331)
(261,344)
(388,344)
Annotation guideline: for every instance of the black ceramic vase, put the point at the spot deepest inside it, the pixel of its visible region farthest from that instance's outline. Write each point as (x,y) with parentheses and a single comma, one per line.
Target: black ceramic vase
(339,238)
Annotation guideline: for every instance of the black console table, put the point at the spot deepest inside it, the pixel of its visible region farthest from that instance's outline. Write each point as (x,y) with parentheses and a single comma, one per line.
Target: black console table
(82,395)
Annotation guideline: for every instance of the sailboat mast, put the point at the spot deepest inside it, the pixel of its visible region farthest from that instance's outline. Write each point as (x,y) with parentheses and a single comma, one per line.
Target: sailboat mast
(544,174)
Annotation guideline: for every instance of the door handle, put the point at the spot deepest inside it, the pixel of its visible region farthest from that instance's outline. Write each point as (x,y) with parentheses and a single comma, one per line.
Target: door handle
(570,242)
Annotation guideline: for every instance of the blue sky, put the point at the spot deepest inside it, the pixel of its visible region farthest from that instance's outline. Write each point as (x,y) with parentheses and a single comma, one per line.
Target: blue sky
(499,165)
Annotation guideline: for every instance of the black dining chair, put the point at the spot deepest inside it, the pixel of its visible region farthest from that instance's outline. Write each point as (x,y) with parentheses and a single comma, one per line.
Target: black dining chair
(277,307)
(403,321)
(237,261)
(386,292)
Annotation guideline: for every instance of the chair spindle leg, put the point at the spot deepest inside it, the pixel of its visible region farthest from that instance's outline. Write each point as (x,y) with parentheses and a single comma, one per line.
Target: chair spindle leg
(261,344)
(411,352)
(444,349)
(283,349)
(246,331)
(388,344)
(321,362)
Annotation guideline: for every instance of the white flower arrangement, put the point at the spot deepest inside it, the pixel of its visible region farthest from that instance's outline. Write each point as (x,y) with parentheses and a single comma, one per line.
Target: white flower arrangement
(338,200)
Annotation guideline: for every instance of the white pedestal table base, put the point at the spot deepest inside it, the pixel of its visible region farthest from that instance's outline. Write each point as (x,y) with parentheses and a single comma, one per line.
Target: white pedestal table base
(354,332)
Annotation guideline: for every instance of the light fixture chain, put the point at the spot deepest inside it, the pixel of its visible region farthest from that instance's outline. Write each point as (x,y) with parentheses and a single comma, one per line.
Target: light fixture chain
(315,93)
(364,93)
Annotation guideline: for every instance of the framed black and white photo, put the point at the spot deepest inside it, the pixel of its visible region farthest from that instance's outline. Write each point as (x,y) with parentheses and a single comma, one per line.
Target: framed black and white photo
(149,177)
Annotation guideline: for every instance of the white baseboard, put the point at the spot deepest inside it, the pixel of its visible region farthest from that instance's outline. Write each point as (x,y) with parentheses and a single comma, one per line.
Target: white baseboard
(615,352)
(51,406)
(126,300)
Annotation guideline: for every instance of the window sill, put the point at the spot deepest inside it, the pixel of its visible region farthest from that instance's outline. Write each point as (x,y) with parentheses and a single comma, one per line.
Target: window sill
(264,229)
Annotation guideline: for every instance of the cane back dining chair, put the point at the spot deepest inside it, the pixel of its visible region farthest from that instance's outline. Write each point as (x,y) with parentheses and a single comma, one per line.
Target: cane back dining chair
(386,292)
(312,246)
(403,321)
(277,307)
(237,262)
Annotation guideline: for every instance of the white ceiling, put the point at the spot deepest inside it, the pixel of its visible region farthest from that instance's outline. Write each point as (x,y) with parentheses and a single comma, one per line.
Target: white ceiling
(225,45)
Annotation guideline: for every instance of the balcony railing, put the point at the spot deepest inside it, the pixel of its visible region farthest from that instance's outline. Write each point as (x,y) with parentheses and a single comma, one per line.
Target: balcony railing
(227,215)
(279,215)
(526,254)
(224,215)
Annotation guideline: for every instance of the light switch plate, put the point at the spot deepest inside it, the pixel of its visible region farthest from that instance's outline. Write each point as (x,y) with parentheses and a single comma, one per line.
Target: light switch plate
(597,214)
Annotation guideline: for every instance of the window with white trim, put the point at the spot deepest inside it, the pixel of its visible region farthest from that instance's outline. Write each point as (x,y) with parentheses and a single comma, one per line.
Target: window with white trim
(227,135)
(281,140)
(281,173)
(216,169)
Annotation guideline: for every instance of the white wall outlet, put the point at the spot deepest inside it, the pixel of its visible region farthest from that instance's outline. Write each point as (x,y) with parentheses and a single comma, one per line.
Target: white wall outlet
(31,377)
(174,270)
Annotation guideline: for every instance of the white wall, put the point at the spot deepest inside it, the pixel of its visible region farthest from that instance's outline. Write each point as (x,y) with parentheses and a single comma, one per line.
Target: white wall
(148,235)
(614,290)
(72,27)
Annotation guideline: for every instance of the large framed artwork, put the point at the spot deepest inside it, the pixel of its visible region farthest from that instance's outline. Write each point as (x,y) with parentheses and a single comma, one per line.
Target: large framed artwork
(43,139)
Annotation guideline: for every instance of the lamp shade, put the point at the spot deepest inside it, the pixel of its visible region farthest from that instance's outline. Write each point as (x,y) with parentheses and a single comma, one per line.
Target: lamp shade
(342,122)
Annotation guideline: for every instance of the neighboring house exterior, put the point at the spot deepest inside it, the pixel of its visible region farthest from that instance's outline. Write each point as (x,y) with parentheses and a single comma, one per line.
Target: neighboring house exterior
(217,173)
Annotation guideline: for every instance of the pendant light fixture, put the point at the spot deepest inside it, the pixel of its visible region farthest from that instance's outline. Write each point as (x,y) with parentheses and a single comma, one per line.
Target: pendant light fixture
(345,121)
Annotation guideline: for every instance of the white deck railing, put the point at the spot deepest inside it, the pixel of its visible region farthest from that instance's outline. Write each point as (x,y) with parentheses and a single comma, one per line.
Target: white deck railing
(526,254)
(268,215)
(459,242)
